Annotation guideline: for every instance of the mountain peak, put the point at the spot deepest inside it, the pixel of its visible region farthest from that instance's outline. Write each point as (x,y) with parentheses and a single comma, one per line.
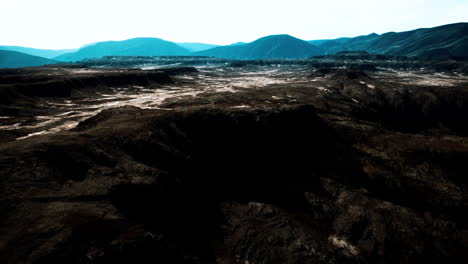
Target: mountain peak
(281,46)
(279,37)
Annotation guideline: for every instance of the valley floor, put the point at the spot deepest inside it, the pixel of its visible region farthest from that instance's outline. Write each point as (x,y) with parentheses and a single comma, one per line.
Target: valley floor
(45,115)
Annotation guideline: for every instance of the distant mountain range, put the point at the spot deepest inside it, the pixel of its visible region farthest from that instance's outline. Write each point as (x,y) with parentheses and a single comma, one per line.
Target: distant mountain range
(14,59)
(447,40)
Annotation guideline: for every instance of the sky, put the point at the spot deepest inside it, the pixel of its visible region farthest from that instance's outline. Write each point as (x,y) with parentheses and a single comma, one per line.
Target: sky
(61,24)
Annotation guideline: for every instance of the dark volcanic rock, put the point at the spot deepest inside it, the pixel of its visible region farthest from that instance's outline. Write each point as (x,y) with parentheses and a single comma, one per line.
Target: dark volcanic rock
(281,184)
(358,60)
(179,70)
(43,82)
(339,74)
(344,75)
(349,167)
(351,60)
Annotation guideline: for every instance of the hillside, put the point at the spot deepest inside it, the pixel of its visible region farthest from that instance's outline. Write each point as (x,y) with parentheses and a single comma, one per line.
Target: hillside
(447,40)
(130,47)
(14,59)
(46,53)
(270,47)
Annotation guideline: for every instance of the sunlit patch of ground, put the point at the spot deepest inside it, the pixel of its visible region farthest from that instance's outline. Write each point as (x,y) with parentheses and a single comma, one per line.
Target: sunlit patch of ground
(66,113)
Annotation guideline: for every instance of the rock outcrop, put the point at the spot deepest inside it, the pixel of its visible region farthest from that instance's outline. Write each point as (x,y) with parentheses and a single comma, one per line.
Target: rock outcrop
(61,82)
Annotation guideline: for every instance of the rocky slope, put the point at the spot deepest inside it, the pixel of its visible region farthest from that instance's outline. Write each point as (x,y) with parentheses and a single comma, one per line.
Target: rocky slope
(366,170)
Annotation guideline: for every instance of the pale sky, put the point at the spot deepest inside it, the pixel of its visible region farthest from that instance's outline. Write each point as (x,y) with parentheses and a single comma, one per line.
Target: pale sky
(60,24)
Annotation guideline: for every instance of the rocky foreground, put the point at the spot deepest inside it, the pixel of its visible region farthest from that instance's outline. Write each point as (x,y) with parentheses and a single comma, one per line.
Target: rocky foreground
(342,166)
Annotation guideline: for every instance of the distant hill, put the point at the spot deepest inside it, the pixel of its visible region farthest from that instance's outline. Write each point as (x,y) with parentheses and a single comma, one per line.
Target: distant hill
(270,47)
(46,53)
(14,59)
(130,47)
(447,40)
(194,46)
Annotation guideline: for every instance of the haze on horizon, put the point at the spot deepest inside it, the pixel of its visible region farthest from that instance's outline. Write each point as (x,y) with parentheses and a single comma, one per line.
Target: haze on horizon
(58,24)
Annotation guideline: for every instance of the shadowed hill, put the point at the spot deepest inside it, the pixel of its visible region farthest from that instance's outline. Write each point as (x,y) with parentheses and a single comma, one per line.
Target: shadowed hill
(14,59)
(447,40)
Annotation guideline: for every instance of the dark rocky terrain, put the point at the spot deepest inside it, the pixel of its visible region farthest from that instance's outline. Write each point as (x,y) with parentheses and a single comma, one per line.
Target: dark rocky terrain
(233,162)
(356,60)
